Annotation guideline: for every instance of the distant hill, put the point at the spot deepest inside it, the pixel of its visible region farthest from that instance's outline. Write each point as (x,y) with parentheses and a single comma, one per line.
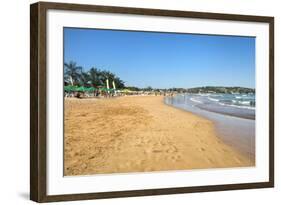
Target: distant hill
(221,89)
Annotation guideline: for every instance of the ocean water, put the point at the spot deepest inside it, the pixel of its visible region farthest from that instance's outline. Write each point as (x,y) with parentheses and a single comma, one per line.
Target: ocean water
(239,105)
(233,116)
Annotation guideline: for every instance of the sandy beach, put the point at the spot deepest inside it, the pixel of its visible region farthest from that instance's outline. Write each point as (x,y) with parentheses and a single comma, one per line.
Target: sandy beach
(137,134)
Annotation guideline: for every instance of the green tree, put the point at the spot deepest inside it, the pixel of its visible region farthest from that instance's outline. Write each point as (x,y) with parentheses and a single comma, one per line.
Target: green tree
(84,78)
(148,88)
(95,76)
(104,75)
(119,83)
(76,76)
(72,72)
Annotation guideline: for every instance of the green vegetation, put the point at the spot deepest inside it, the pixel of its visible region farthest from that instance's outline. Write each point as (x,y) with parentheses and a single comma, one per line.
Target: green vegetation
(221,89)
(75,76)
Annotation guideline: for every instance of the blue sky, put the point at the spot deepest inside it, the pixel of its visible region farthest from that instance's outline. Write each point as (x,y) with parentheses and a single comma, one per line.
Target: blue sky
(164,60)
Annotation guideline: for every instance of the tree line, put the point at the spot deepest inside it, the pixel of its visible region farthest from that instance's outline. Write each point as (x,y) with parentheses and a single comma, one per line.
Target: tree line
(75,75)
(221,89)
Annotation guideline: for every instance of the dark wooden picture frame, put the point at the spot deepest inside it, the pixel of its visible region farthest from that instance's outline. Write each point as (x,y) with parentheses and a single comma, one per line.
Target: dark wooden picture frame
(38,101)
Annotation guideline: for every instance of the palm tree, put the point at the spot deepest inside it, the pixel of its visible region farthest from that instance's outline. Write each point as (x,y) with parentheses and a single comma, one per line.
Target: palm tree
(84,78)
(111,77)
(119,83)
(75,76)
(94,76)
(72,71)
(104,75)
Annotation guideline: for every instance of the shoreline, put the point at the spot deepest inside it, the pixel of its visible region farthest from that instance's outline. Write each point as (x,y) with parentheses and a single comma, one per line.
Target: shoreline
(140,134)
(229,114)
(238,132)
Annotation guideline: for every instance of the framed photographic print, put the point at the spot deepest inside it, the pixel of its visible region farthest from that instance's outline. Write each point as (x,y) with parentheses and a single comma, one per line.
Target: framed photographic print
(134,102)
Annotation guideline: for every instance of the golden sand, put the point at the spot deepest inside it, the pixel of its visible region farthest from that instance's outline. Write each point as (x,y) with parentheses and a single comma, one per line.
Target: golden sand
(137,134)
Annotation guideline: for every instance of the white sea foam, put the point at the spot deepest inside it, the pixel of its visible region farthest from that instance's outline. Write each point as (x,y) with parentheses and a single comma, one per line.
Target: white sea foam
(245,102)
(203,94)
(238,106)
(213,99)
(194,100)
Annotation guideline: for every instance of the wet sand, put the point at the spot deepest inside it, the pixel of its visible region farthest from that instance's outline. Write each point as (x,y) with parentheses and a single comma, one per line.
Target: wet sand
(237,132)
(140,134)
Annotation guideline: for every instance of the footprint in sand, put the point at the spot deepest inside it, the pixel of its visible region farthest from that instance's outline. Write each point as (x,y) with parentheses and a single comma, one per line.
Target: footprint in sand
(176,158)
(117,146)
(202,149)
(92,157)
(172,149)
(147,141)
(157,150)
(139,162)
(224,150)
(210,160)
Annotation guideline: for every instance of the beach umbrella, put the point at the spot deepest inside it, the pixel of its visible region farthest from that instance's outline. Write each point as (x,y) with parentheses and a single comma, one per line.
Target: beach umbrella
(126,91)
(103,89)
(81,89)
(90,89)
(73,88)
(69,88)
(110,90)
